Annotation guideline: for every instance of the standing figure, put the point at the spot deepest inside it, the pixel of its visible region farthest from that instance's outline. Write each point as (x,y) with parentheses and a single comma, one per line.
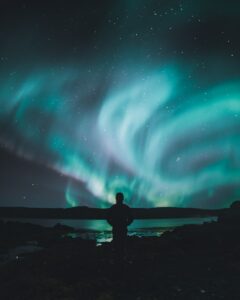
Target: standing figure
(119,217)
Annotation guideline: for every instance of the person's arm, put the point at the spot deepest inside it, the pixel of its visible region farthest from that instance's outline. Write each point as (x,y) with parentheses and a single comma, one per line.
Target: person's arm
(109,216)
(130,216)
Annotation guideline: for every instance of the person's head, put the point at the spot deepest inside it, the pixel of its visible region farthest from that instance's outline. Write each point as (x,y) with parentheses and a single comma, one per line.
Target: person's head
(119,198)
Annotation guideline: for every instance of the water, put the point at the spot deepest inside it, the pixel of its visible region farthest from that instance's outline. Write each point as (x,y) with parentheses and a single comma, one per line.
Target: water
(101,230)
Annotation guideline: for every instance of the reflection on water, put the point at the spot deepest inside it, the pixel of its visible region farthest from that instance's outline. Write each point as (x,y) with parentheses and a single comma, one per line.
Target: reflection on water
(102,225)
(101,230)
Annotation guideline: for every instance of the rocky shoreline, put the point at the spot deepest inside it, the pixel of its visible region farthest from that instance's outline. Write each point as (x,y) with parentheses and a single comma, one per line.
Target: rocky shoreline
(191,262)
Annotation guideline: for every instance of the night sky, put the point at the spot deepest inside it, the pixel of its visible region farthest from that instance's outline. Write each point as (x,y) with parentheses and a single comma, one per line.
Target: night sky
(135,96)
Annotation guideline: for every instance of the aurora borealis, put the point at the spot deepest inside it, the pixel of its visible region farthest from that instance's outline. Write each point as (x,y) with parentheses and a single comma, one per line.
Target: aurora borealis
(138,96)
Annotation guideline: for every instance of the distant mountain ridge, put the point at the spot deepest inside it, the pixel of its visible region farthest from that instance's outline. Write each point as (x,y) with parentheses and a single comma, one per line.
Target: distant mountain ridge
(84,212)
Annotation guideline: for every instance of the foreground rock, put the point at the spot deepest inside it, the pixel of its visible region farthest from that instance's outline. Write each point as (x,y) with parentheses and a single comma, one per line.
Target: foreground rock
(192,262)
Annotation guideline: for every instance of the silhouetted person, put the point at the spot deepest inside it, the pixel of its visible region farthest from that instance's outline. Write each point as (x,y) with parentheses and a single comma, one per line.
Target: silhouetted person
(119,217)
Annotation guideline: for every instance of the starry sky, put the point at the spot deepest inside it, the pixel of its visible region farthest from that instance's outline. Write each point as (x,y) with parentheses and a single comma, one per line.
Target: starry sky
(139,96)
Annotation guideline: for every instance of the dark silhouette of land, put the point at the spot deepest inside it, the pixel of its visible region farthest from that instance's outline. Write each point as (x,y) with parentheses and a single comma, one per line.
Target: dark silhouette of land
(189,262)
(84,212)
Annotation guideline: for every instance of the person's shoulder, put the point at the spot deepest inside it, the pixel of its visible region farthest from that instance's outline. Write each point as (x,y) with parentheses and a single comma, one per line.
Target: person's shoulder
(126,206)
(113,206)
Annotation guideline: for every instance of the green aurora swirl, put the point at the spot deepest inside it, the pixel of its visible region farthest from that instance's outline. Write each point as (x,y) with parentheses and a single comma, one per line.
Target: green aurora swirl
(130,135)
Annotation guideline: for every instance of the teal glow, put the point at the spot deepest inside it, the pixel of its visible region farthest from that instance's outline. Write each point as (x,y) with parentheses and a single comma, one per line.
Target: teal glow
(140,136)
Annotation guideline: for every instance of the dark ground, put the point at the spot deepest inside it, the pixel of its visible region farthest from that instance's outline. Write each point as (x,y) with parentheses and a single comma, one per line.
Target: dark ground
(192,262)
